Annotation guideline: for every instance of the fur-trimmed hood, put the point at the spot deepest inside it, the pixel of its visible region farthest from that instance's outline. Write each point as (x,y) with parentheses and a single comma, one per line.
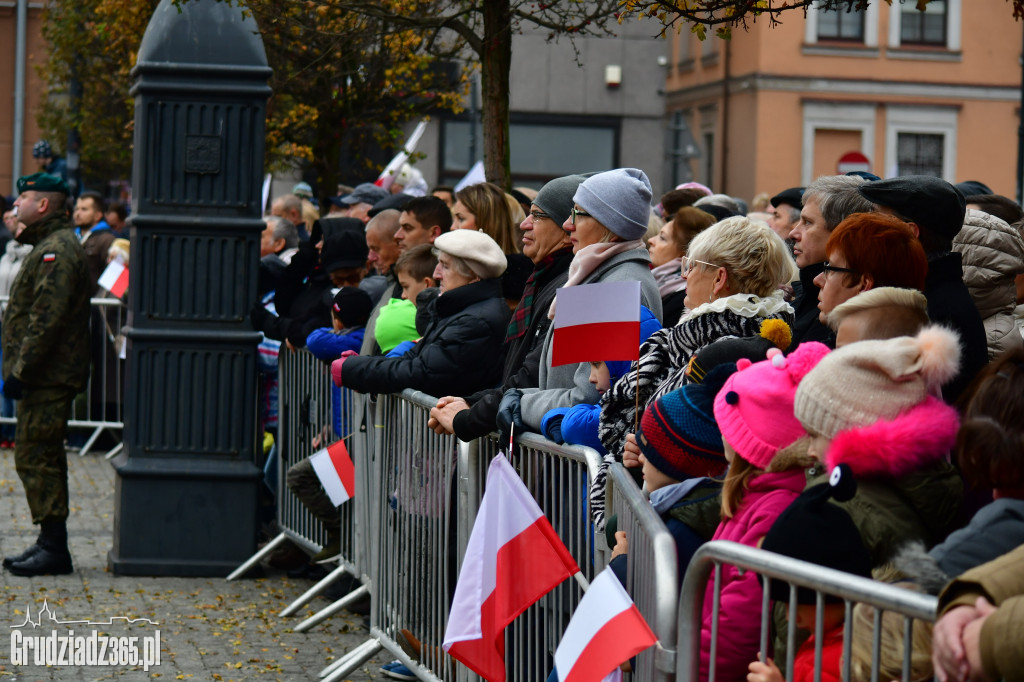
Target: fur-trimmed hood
(894,448)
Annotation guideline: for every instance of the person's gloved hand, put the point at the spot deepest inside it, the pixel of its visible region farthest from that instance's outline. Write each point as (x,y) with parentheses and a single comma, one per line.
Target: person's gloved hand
(13,388)
(336,366)
(509,413)
(401,349)
(553,426)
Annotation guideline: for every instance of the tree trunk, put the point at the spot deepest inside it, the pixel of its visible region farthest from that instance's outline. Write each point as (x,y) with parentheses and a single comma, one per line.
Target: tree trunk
(496,62)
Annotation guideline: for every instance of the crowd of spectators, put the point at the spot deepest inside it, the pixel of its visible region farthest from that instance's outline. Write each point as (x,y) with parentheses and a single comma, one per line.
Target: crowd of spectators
(866,330)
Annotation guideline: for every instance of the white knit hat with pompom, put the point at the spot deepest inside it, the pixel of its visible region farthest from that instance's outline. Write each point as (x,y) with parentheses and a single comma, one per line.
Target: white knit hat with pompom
(868,381)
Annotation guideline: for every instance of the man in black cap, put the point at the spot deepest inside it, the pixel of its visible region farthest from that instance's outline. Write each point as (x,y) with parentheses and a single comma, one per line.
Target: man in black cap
(935,210)
(785,212)
(45,364)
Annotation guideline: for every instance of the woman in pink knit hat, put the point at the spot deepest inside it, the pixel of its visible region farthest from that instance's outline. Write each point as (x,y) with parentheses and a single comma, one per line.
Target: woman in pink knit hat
(767,452)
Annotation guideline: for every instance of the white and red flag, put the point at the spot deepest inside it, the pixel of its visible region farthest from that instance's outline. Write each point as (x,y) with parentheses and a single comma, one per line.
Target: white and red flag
(605,631)
(337,474)
(115,278)
(597,322)
(514,557)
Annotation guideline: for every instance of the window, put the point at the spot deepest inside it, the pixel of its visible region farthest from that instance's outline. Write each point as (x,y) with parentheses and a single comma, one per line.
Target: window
(682,147)
(919,154)
(843,22)
(540,150)
(937,26)
(923,28)
(708,163)
(921,140)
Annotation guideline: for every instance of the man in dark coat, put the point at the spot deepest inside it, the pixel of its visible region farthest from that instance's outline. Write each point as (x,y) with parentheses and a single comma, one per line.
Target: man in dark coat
(935,210)
(547,245)
(45,364)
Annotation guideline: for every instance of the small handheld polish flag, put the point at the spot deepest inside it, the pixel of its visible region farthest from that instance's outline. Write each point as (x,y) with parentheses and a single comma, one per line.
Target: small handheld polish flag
(337,474)
(514,557)
(606,630)
(597,322)
(115,278)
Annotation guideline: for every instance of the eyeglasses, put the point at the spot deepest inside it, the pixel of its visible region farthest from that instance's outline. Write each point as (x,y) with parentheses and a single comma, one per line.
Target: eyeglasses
(537,215)
(832,268)
(688,264)
(578,213)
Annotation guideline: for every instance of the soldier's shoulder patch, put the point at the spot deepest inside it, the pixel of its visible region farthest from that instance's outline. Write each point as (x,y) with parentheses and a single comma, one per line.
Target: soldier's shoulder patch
(49,257)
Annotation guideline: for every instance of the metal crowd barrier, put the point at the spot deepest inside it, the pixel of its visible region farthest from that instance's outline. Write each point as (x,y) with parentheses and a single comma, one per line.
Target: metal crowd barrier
(652,578)
(416,559)
(852,589)
(306,424)
(101,406)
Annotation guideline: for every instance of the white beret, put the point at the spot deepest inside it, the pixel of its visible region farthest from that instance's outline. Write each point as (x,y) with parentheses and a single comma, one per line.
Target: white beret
(481,253)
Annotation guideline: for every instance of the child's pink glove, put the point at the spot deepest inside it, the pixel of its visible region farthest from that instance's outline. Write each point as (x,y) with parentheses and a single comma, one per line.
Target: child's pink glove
(336,366)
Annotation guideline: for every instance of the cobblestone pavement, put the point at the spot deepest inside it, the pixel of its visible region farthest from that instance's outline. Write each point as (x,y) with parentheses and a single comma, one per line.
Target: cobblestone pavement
(210,629)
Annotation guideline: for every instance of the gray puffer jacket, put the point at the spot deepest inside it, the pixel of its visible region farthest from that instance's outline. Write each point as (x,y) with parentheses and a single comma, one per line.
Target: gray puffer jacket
(993,254)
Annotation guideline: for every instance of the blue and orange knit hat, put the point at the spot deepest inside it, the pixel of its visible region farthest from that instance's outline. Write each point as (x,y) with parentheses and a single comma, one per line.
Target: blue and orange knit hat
(678,434)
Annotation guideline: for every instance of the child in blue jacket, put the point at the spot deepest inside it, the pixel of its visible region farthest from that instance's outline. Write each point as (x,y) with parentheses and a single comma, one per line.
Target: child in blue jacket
(350,310)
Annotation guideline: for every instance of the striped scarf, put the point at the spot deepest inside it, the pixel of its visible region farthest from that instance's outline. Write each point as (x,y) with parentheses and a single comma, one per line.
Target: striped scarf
(522,316)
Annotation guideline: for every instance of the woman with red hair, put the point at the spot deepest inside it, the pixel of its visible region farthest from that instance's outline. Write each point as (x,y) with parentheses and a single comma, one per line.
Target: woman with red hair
(865,251)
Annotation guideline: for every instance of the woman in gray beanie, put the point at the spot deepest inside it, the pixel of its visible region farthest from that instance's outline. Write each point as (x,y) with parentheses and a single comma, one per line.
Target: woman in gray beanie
(605,225)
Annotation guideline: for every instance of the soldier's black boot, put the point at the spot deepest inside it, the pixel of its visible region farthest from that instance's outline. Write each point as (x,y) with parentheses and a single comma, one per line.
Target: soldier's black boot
(52,557)
(24,555)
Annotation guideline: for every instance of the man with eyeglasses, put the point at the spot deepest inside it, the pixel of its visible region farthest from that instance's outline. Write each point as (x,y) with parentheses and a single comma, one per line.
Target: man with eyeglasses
(826,202)
(547,245)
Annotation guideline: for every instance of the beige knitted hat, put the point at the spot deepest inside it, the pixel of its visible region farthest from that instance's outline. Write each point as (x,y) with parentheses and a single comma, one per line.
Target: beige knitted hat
(868,381)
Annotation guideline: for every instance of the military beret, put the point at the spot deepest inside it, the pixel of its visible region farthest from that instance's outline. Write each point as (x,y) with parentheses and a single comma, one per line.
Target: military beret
(481,253)
(42,182)
(794,196)
(932,203)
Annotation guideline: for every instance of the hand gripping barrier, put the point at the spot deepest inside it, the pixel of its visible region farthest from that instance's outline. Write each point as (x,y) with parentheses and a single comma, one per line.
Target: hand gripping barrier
(312,415)
(652,577)
(708,562)
(101,406)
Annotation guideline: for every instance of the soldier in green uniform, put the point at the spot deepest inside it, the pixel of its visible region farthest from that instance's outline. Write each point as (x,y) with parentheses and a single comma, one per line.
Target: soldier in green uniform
(46,363)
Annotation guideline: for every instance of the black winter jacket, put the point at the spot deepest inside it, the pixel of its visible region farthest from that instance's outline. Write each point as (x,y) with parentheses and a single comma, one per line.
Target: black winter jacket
(950,304)
(454,357)
(522,357)
(807,326)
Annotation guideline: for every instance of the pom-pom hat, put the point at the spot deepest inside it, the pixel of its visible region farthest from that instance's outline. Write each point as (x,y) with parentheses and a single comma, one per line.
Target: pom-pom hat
(754,409)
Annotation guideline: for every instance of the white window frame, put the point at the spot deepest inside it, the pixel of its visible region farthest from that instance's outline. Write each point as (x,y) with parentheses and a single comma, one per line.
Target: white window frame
(953,16)
(708,125)
(836,116)
(870,26)
(926,120)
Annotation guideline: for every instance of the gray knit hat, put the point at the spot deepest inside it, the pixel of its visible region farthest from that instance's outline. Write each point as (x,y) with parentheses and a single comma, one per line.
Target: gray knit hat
(555,198)
(619,199)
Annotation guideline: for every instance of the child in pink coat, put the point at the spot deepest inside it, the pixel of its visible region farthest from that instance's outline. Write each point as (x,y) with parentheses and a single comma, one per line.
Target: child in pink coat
(767,453)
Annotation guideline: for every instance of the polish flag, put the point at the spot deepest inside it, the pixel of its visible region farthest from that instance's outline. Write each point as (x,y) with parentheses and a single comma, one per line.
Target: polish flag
(513,559)
(115,278)
(605,631)
(336,472)
(597,322)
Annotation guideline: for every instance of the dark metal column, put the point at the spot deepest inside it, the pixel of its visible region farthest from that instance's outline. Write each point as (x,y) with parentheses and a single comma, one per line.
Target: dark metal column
(187,480)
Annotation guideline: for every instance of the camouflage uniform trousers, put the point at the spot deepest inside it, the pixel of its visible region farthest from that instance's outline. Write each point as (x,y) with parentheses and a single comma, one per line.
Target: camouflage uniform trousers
(39,454)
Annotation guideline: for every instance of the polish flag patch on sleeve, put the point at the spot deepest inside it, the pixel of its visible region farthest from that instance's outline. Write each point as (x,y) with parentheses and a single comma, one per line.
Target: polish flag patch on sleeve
(49,257)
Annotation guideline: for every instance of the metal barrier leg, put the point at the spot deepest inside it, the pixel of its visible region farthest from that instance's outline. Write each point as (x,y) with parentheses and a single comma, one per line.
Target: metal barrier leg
(313,591)
(322,615)
(114,451)
(345,665)
(257,557)
(92,439)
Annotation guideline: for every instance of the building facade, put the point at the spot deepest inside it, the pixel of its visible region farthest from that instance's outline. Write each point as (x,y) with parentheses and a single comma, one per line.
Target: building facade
(890,89)
(34,52)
